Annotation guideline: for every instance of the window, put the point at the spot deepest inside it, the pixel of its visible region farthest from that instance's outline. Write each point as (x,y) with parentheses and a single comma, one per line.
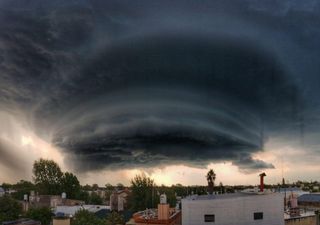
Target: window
(258,216)
(209,218)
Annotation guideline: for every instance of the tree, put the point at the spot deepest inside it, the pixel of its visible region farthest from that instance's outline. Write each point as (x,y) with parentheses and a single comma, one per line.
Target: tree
(120,186)
(95,187)
(222,189)
(95,199)
(47,176)
(109,187)
(10,209)
(142,192)
(84,217)
(43,214)
(115,218)
(22,187)
(84,196)
(211,177)
(70,185)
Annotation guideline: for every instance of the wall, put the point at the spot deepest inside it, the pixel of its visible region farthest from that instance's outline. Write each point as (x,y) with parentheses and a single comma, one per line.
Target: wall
(236,210)
(60,221)
(308,220)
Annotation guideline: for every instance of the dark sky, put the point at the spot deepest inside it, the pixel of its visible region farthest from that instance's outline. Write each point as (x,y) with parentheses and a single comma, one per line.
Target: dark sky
(126,84)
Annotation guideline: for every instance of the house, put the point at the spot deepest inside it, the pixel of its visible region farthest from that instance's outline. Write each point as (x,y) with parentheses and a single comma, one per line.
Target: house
(51,201)
(118,200)
(243,208)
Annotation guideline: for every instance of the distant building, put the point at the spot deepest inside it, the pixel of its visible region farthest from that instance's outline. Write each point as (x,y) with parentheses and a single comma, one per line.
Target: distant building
(118,200)
(309,201)
(22,222)
(51,201)
(244,208)
(295,190)
(70,211)
(2,192)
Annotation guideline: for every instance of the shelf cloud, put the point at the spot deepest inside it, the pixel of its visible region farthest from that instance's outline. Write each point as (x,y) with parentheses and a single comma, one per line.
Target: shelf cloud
(119,84)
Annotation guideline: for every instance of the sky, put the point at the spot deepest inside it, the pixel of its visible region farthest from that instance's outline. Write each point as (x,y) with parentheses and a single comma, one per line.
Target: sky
(111,89)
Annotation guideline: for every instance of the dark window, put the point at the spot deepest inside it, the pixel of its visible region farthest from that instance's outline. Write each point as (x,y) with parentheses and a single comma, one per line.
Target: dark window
(209,218)
(258,216)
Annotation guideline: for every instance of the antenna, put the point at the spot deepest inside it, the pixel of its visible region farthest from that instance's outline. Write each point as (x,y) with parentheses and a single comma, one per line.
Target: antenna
(282,170)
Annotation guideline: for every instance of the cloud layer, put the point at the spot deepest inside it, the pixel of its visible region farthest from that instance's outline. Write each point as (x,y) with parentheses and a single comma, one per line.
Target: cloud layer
(123,85)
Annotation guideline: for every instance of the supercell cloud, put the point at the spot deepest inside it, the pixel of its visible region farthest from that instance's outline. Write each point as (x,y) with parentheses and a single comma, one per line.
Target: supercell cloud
(120,84)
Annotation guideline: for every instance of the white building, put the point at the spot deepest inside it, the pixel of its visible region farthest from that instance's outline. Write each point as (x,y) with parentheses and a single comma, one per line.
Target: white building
(234,209)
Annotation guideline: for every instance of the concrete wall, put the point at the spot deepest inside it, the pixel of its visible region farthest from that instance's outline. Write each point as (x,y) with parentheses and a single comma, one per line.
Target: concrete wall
(61,221)
(308,220)
(236,210)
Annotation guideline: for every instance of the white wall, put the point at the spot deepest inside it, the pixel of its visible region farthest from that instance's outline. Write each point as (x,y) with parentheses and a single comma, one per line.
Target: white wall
(236,210)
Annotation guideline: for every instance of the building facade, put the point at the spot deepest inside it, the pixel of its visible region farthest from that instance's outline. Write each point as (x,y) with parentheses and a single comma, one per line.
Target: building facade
(234,209)
(118,200)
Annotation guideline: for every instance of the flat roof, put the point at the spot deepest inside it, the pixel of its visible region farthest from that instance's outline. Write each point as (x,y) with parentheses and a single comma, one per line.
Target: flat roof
(223,196)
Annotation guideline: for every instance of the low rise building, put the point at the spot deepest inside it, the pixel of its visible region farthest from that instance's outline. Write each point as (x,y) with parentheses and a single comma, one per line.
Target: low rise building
(51,201)
(309,201)
(70,211)
(118,200)
(163,215)
(244,208)
(22,222)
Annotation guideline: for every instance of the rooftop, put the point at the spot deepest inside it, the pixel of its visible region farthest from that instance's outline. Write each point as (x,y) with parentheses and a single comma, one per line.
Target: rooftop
(22,222)
(226,196)
(309,198)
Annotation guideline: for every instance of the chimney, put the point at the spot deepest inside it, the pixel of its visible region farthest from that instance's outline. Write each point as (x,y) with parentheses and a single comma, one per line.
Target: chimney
(262,175)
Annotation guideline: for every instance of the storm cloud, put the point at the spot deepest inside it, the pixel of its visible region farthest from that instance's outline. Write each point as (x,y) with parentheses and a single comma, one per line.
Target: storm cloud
(119,84)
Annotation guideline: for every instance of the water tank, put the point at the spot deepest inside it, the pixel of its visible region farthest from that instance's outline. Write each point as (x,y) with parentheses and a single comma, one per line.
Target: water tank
(64,195)
(163,199)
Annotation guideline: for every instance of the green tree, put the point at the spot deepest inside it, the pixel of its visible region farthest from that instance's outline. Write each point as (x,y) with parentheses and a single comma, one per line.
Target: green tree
(22,187)
(84,196)
(120,186)
(109,187)
(84,217)
(109,190)
(47,176)
(211,177)
(10,209)
(43,214)
(6,186)
(95,187)
(70,185)
(95,199)
(115,218)
(142,193)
